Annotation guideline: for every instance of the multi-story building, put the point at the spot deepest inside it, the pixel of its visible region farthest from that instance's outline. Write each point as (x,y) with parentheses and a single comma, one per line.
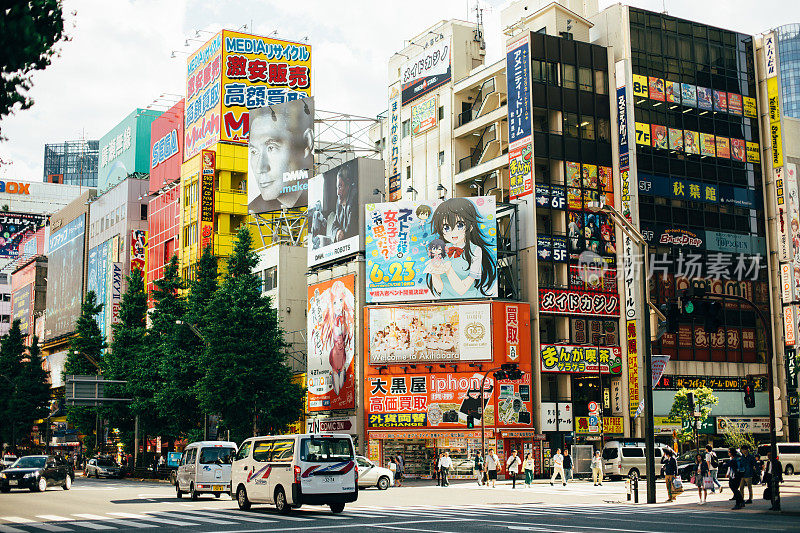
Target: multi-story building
(29,286)
(125,149)
(72,163)
(787,40)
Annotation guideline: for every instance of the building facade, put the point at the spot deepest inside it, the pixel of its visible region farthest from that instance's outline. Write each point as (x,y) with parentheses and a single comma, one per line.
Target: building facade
(72,163)
(125,149)
(787,39)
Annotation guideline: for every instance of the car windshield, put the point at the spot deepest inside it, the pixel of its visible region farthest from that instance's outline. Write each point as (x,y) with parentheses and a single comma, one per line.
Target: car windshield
(105,461)
(29,462)
(763,450)
(216,455)
(687,456)
(326,450)
(610,453)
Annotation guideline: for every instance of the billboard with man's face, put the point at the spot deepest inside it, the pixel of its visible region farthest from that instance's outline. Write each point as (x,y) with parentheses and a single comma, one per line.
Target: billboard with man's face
(281,155)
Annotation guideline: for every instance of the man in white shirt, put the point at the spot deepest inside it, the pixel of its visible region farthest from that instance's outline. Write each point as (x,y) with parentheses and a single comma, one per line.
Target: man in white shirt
(513,465)
(558,468)
(597,468)
(491,466)
(445,464)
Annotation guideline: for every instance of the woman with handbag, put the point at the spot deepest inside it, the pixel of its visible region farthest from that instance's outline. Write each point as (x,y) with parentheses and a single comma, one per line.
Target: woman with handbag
(699,477)
(528,466)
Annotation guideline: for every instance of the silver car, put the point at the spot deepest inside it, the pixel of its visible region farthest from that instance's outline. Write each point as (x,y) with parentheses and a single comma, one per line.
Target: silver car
(102,467)
(372,475)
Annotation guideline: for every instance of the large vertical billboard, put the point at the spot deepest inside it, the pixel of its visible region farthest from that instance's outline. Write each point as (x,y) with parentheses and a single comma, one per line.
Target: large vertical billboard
(331,344)
(98,272)
(14,228)
(21,307)
(426,71)
(166,147)
(520,140)
(65,278)
(203,88)
(281,155)
(208,169)
(431,250)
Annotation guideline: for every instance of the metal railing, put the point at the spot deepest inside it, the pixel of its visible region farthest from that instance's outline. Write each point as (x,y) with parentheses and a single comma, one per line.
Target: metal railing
(487,88)
(489,134)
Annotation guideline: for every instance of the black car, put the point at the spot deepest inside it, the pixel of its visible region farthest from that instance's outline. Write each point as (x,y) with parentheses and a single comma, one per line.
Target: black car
(37,472)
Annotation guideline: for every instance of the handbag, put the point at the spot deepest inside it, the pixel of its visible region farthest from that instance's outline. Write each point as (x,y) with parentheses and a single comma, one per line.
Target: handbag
(677,484)
(768,493)
(693,480)
(708,483)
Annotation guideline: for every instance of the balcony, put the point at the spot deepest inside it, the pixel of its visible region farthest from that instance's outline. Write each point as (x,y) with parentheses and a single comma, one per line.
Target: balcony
(233,201)
(489,154)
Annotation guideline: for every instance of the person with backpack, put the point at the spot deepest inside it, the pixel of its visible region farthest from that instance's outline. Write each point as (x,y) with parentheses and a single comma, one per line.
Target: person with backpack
(479,468)
(670,471)
(735,478)
(748,467)
(567,466)
(513,466)
(713,468)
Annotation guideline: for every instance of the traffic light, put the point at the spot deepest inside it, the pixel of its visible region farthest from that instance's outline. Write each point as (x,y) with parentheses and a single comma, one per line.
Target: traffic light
(508,372)
(691,301)
(750,393)
(713,316)
(470,422)
(690,401)
(673,313)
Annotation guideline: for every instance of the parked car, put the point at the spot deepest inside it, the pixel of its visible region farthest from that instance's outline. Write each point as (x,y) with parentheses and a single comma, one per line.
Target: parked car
(372,475)
(37,472)
(8,460)
(103,466)
(205,468)
(621,459)
(686,463)
(788,453)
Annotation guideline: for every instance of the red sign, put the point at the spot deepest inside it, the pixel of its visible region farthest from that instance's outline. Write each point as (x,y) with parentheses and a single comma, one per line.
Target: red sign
(572,302)
(166,147)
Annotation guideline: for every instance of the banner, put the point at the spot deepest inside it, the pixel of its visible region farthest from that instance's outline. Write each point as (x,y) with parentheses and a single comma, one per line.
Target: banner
(16,227)
(574,302)
(744,424)
(281,156)
(334,214)
(518,81)
(657,365)
(208,169)
(520,165)
(139,250)
(393,155)
(581,359)
(431,250)
(775,121)
(331,344)
(426,71)
(430,333)
(424,116)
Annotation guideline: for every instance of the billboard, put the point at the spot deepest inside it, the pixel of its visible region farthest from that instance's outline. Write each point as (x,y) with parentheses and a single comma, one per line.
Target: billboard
(203,88)
(126,148)
(98,272)
(139,250)
(281,155)
(334,213)
(16,227)
(331,344)
(166,147)
(581,359)
(426,71)
(424,116)
(208,171)
(65,278)
(430,333)
(431,250)
(21,305)
(520,149)
(393,150)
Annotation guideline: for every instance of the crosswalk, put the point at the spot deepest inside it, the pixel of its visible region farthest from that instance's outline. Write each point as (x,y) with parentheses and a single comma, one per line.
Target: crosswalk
(310,516)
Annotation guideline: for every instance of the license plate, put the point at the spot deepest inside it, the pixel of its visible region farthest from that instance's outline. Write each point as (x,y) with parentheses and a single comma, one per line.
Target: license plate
(217,487)
(328,479)
(13,482)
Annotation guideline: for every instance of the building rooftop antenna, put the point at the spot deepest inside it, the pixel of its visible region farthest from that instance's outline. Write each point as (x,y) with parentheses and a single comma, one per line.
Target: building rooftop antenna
(479,27)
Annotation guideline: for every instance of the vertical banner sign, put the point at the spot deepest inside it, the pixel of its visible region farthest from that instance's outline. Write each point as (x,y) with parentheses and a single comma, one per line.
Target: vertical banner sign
(775,122)
(520,148)
(789,325)
(208,168)
(770,59)
(395,192)
(629,203)
(787,284)
(781,217)
(792,197)
(138,250)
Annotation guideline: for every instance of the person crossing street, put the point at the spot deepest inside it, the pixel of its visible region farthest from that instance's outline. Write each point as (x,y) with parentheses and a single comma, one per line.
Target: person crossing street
(513,467)
(558,468)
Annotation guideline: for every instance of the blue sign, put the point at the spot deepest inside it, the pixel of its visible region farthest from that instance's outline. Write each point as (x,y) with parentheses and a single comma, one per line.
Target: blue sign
(682,189)
(622,124)
(518,81)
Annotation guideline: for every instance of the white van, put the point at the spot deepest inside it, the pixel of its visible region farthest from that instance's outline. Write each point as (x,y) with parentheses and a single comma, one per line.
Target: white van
(627,459)
(290,470)
(205,468)
(788,454)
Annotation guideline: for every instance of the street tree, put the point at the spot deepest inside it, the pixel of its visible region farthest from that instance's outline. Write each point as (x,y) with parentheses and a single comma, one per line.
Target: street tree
(704,400)
(245,379)
(31,30)
(202,289)
(83,357)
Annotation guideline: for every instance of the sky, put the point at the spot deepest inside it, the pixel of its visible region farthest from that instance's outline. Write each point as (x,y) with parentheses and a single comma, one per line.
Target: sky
(119,55)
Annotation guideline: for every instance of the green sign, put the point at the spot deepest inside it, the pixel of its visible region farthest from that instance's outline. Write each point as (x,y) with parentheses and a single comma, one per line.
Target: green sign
(708,427)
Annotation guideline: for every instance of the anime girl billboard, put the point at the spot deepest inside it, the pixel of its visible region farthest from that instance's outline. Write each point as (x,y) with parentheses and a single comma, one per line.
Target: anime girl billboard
(331,344)
(437,250)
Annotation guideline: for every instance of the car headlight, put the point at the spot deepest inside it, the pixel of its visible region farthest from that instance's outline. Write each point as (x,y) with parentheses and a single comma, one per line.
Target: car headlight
(2,475)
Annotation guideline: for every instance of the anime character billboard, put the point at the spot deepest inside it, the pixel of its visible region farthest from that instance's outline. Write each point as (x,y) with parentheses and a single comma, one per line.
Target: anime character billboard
(331,344)
(432,250)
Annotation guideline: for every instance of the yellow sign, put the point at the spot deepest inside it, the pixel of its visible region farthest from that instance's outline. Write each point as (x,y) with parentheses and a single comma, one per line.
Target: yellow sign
(753,152)
(750,107)
(642,133)
(612,424)
(639,85)
(775,122)
(633,368)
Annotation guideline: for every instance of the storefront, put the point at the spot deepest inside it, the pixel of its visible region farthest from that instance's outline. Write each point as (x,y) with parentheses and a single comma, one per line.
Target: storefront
(423,398)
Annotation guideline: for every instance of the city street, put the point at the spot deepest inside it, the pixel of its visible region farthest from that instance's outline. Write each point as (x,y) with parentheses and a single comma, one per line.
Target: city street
(132,505)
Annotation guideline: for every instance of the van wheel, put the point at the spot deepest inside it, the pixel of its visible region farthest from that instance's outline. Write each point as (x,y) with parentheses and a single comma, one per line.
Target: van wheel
(789,470)
(383,483)
(241,499)
(281,504)
(192,491)
(178,491)
(337,508)
(217,494)
(634,473)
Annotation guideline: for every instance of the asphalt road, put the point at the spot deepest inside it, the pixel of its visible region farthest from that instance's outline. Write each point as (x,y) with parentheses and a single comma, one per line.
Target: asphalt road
(96,505)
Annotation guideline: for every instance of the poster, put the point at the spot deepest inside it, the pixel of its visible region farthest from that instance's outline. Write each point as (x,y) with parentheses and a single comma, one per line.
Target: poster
(518,86)
(753,151)
(640,86)
(331,344)
(208,169)
(737,150)
(723,147)
(704,98)
(581,359)
(688,94)
(139,250)
(14,228)
(281,155)
(424,116)
(426,71)
(659,136)
(334,214)
(721,101)
(673,94)
(520,166)
(576,302)
(675,139)
(643,133)
(749,107)
(691,142)
(735,103)
(708,145)
(633,368)
(430,333)
(656,88)
(431,250)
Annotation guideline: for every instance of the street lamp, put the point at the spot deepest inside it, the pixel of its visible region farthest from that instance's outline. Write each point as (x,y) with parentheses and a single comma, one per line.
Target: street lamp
(199,336)
(505,371)
(649,431)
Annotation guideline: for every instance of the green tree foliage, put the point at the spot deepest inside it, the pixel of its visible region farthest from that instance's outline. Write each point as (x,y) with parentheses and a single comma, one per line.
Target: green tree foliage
(29,32)
(245,379)
(24,391)
(203,288)
(736,438)
(704,399)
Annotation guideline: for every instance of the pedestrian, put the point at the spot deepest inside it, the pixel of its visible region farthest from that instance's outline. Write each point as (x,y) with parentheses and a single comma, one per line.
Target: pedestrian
(713,468)
(513,467)
(558,468)
(772,467)
(567,466)
(670,471)
(435,468)
(401,470)
(479,468)
(597,468)
(491,466)
(700,475)
(735,478)
(393,467)
(445,464)
(748,467)
(528,466)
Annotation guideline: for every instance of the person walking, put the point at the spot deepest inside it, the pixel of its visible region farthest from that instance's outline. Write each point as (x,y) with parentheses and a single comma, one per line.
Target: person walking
(713,468)
(491,466)
(735,478)
(435,468)
(558,468)
(747,464)
(479,468)
(772,467)
(445,464)
(393,467)
(401,470)
(670,471)
(597,468)
(567,466)
(513,467)
(528,466)
(700,475)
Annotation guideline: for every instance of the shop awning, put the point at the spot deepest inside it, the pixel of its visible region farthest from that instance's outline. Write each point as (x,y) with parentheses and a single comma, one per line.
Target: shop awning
(427,434)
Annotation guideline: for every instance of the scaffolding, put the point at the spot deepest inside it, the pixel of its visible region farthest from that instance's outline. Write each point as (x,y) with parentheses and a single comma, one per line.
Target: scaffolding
(72,162)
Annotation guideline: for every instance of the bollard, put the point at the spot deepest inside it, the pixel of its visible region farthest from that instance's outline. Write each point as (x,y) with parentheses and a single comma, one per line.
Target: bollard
(636,490)
(628,488)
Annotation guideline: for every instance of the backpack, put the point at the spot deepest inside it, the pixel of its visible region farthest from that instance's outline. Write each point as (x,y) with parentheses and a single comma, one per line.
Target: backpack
(714,461)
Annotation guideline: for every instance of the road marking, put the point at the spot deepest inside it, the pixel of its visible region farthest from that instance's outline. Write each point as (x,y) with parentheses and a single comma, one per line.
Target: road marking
(9,529)
(92,525)
(116,521)
(46,527)
(16,519)
(177,514)
(233,516)
(52,517)
(155,519)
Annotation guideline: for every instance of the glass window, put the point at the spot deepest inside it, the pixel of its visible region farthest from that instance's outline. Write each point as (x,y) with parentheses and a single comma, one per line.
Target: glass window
(282,451)
(604,129)
(441,112)
(326,450)
(570,125)
(587,128)
(601,81)
(261,451)
(217,455)
(244,451)
(610,453)
(632,452)
(568,78)
(406,128)
(585,78)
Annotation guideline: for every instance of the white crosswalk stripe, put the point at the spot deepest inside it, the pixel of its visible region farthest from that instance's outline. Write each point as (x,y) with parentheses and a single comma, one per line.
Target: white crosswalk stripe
(47,527)
(114,521)
(9,529)
(235,515)
(92,525)
(157,520)
(179,515)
